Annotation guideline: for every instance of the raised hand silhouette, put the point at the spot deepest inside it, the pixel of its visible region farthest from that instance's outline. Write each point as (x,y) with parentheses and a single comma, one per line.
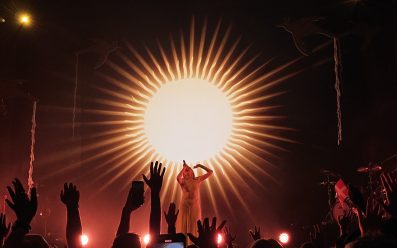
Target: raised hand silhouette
(229,237)
(25,208)
(155,183)
(70,196)
(132,203)
(156,177)
(171,217)
(207,234)
(256,233)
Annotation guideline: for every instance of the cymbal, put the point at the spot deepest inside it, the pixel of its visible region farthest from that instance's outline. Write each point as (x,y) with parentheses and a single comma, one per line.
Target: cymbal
(329,173)
(368,169)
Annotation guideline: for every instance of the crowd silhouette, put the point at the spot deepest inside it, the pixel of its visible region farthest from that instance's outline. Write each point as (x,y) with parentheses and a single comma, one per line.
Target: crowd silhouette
(375,225)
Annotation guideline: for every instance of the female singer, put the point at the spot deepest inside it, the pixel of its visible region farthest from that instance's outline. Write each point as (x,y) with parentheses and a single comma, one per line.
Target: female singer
(189,208)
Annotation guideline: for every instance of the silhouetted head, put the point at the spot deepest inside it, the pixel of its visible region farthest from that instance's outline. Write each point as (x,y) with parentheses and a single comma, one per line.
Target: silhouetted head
(389,228)
(188,173)
(373,242)
(130,240)
(192,246)
(275,243)
(307,245)
(263,243)
(34,241)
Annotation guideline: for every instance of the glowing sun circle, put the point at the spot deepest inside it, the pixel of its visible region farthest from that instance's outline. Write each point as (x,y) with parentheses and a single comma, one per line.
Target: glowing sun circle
(188,119)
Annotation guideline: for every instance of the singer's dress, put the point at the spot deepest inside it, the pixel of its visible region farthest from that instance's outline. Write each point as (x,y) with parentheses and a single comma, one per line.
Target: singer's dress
(189,209)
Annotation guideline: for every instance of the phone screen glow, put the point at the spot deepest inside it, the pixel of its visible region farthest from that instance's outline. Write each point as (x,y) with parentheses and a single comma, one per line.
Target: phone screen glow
(169,245)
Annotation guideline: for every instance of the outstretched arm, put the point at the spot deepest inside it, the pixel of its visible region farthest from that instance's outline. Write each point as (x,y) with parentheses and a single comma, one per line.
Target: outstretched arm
(133,202)
(206,175)
(70,196)
(171,218)
(179,178)
(229,238)
(4,228)
(25,209)
(155,183)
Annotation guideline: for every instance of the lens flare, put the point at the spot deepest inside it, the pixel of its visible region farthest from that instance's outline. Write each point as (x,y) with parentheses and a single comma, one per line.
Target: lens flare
(24,19)
(219,239)
(284,238)
(146,239)
(84,239)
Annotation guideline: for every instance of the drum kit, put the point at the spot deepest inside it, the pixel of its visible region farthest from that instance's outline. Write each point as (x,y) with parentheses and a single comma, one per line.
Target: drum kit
(373,188)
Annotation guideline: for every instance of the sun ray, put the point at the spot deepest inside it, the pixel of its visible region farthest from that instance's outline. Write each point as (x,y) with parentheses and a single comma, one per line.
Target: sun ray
(118,83)
(113,93)
(210,49)
(183,56)
(138,71)
(176,58)
(232,185)
(224,84)
(145,65)
(201,49)
(212,198)
(156,63)
(240,72)
(167,64)
(221,189)
(225,60)
(241,167)
(191,50)
(127,75)
(218,53)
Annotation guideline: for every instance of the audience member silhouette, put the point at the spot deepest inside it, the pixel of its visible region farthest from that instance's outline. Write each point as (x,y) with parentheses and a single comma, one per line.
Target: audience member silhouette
(70,196)
(171,216)
(25,209)
(206,234)
(4,228)
(155,182)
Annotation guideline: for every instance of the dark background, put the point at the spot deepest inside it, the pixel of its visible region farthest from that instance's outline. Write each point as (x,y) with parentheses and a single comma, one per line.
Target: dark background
(42,56)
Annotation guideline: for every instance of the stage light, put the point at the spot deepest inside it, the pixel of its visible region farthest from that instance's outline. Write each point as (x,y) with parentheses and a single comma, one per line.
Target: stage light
(188,119)
(219,239)
(284,238)
(146,239)
(2,20)
(24,19)
(84,239)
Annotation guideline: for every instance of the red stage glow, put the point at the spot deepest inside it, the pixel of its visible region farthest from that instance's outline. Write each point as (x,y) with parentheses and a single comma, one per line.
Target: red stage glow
(284,238)
(146,239)
(219,239)
(84,239)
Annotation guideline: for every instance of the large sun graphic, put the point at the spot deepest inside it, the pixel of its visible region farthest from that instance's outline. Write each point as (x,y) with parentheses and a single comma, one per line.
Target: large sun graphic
(199,98)
(188,119)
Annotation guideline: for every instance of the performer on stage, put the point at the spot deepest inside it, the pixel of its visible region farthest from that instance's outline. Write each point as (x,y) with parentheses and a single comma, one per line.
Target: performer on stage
(189,208)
